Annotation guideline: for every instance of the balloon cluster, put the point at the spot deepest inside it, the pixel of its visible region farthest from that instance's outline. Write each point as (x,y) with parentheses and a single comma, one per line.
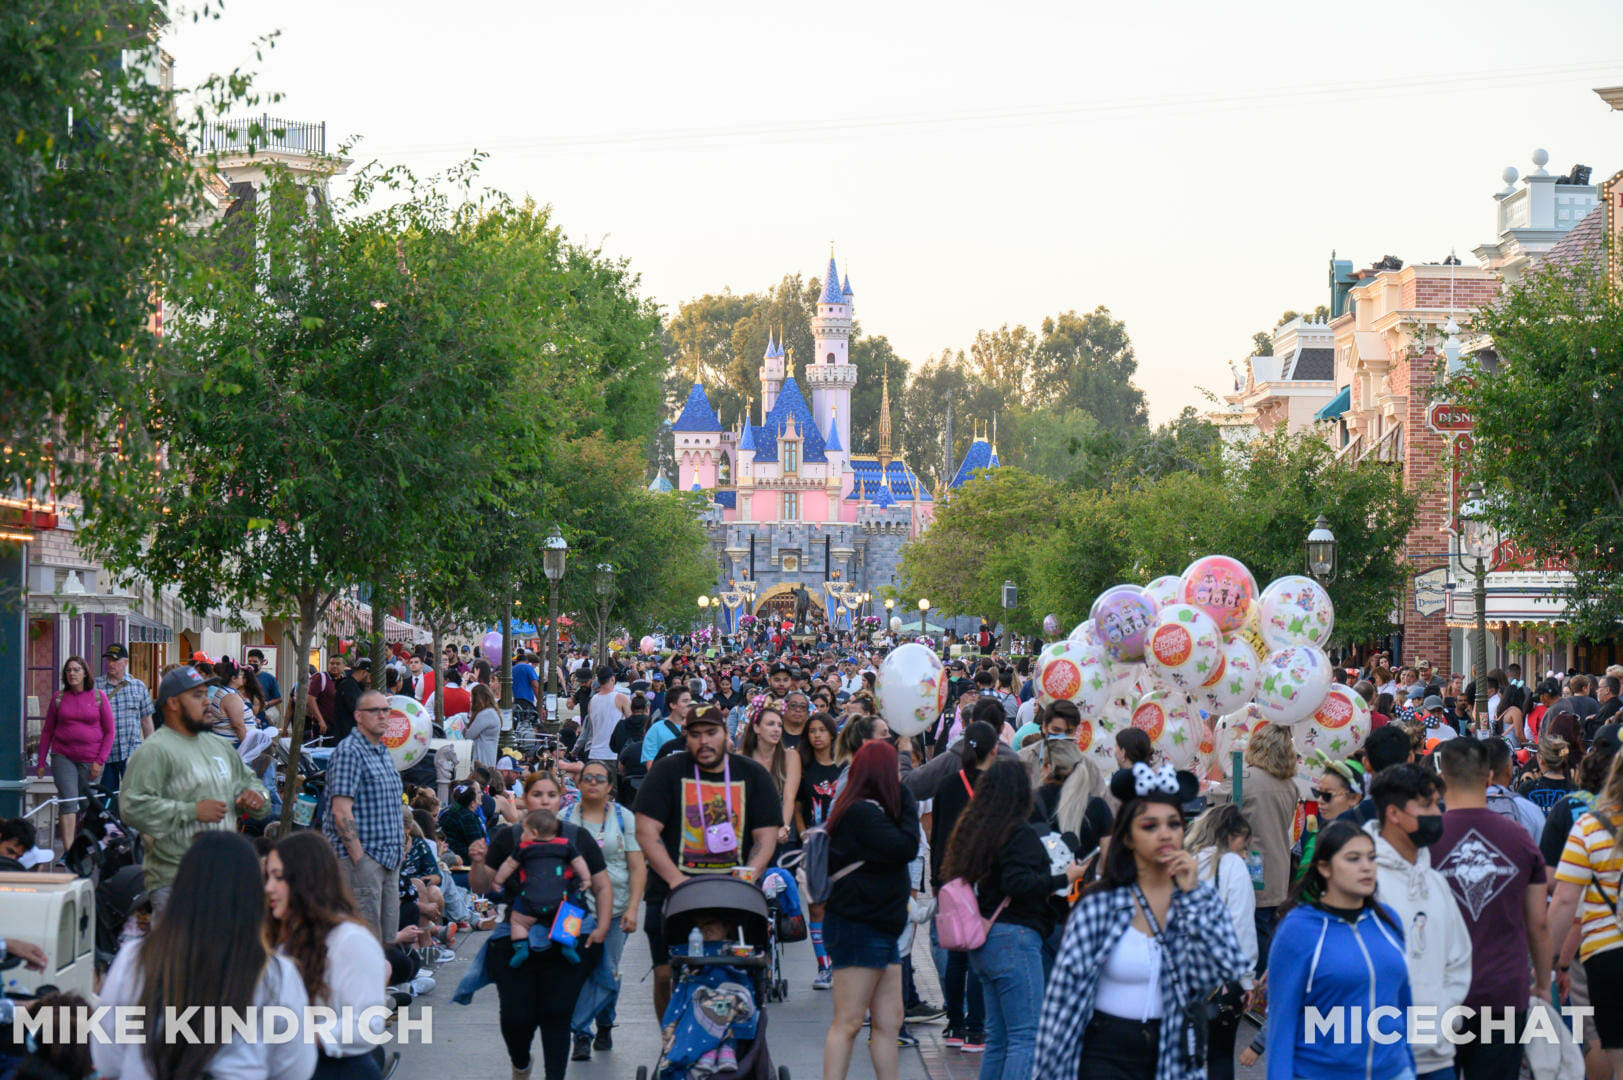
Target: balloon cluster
(1199,660)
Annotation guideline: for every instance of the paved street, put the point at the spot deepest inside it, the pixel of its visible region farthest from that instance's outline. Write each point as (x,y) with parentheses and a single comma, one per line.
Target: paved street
(467,1042)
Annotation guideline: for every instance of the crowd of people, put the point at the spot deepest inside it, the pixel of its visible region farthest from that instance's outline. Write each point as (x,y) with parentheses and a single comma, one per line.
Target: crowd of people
(1083,917)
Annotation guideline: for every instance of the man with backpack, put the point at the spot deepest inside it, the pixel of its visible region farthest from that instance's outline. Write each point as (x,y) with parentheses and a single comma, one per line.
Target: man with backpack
(678,701)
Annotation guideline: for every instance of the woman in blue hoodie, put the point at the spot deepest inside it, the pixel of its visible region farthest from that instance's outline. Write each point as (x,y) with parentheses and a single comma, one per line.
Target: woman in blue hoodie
(1339,952)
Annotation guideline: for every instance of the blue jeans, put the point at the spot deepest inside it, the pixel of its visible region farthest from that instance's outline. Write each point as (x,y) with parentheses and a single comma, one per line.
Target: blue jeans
(1010,967)
(602,989)
(959,986)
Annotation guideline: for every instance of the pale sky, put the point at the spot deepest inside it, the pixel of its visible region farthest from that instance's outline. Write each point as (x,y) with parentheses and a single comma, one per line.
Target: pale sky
(1189,165)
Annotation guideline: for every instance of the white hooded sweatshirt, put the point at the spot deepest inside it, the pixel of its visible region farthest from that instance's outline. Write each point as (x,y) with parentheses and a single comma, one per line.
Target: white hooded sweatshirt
(1435,938)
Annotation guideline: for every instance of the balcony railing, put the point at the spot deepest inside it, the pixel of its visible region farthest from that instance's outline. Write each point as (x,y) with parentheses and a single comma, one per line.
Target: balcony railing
(274,133)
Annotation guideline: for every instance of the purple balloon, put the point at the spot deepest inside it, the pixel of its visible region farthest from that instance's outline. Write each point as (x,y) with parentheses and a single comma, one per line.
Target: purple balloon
(492,648)
(1123,617)
(1051,625)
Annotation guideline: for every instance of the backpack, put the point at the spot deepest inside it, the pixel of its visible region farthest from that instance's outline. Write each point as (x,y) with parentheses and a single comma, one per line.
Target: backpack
(814,861)
(550,883)
(959,924)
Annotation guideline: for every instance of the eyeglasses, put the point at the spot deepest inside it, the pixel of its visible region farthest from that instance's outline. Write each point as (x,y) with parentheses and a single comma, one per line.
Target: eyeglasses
(385,709)
(594,780)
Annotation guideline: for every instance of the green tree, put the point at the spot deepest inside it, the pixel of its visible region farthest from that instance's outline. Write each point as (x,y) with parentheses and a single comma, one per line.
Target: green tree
(96,198)
(1087,362)
(1549,437)
(1004,359)
(875,361)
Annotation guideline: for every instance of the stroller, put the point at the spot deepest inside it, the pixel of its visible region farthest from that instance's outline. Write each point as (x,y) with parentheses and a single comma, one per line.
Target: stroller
(697,981)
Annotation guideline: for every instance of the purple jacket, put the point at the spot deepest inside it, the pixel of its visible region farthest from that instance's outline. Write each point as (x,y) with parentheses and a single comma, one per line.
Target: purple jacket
(78,726)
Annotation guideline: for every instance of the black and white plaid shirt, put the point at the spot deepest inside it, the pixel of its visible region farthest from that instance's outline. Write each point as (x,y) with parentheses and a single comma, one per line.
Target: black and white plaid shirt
(1201,954)
(364,771)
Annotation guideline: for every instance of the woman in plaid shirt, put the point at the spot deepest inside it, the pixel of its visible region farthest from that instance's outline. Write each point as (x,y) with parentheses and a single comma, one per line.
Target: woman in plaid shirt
(1143,942)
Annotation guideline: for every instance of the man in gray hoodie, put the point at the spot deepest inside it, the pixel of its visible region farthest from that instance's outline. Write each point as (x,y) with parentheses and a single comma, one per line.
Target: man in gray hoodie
(1438,944)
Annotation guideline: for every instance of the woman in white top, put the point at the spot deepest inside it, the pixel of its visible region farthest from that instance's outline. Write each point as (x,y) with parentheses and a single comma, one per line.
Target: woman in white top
(339,961)
(207,949)
(1219,840)
(484,725)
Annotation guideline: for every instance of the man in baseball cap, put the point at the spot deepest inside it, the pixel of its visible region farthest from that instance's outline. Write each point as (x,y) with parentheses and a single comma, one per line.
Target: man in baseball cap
(132,714)
(183,781)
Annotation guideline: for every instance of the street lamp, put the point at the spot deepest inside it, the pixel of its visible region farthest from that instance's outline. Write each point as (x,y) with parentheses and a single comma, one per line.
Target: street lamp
(1481,542)
(1321,552)
(604,584)
(1011,600)
(924,615)
(553,557)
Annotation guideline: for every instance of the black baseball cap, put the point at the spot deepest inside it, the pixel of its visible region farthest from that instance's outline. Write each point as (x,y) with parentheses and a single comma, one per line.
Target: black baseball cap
(178,682)
(116,652)
(780,666)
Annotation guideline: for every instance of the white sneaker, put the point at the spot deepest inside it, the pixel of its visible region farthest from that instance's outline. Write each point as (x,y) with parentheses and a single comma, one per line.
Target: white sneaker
(444,956)
(421,985)
(824,979)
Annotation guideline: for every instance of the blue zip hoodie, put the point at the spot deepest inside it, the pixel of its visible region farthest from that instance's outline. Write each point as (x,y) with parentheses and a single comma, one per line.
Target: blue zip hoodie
(1319,960)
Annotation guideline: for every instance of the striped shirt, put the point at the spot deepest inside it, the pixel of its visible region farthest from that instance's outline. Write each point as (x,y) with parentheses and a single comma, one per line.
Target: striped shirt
(1592,859)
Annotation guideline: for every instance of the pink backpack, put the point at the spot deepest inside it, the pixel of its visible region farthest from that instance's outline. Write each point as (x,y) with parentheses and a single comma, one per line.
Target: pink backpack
(958,921)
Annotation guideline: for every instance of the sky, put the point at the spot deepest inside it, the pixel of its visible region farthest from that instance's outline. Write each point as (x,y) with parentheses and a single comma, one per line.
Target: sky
(1188,165)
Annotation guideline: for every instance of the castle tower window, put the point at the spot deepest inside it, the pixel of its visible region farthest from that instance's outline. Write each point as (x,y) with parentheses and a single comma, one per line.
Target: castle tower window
(791,506)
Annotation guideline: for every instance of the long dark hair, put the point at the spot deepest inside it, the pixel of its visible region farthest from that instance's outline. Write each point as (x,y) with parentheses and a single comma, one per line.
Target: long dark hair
(207,949)
(808,756)
(84,666)
(1120,866)
(1310,886)
(1002,800)
(875,773)
(317,901)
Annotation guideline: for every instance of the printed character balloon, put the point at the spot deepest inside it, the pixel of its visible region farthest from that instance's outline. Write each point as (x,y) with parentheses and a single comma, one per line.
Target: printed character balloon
(646,645)
(1050,625)
(1074,672)
(1122,615)
(912,688)
(1164,590)
(407,731)
(1184,649)
(1295,610)
(1233,732)
(1294,682)
(1338,726)
(1173,725)
(1084,632)
(1221,587)
(1236,682)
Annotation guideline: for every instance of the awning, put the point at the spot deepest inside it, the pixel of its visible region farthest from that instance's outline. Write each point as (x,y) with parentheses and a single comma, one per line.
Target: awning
(145,631)
(1336,405)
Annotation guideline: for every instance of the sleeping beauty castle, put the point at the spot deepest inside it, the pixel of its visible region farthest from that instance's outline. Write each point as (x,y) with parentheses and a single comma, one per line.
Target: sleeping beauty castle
(791,507)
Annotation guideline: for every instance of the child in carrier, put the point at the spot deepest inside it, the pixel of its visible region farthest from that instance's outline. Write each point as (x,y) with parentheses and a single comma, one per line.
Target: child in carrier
(547,864)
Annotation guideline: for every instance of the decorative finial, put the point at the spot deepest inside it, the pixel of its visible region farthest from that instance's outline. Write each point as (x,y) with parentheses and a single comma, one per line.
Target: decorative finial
(1541,158)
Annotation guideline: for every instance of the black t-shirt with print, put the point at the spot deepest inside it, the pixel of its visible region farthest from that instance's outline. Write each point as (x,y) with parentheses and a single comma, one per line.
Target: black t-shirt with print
(816,797)
(671,796)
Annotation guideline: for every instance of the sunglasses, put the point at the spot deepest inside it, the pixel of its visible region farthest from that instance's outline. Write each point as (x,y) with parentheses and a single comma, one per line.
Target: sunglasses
(594,780)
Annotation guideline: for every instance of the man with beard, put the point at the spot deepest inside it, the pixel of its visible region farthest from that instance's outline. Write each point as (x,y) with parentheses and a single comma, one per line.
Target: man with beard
(182,781)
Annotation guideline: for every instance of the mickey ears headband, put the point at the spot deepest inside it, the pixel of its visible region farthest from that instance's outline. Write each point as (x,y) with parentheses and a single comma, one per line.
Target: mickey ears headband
(1165,784)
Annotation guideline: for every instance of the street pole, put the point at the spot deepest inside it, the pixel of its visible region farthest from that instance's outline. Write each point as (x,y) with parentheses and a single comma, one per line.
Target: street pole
(552,644)
(1479,598)
(507,652)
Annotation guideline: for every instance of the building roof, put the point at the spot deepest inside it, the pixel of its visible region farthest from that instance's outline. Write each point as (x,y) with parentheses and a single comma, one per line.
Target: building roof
(1584,241)
(832,441)
(697,415)
(881,497)
(771,349)
(729,499)
(831,284)
(1314,365)
(790,403)
(661,483)
(978,456)
(897,479)
(846,290)
(746,441)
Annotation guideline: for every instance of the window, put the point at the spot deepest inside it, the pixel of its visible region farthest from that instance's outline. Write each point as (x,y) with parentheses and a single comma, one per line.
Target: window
(791,457)
(791,506)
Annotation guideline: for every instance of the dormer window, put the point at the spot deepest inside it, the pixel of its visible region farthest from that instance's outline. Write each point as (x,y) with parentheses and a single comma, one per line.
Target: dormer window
(791,457)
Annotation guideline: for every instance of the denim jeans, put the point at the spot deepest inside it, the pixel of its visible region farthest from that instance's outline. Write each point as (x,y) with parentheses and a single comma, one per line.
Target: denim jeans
(602,989)
(1010,967)
(959,986)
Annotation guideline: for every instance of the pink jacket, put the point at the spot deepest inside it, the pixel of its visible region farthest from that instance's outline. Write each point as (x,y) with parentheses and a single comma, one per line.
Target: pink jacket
(78,726)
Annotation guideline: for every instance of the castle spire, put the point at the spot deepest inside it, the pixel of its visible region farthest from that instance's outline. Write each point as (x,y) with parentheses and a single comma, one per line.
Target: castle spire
(884,420)
(832,292)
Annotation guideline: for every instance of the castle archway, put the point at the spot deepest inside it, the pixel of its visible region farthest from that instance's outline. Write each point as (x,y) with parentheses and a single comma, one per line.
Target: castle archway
(777,604)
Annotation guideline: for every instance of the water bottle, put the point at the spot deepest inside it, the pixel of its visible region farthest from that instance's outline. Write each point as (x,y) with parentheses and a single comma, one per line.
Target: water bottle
(695,942)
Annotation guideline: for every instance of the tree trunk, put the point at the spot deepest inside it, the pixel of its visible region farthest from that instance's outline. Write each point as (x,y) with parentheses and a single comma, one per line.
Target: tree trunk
(379,651)
(292,781)
(439,679)
(507,650)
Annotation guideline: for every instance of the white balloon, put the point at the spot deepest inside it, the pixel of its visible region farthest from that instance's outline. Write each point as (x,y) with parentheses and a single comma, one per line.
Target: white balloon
(1164,590)
(1295,610)
(407,731)
(1075,672)
(895,622)
(911,688)
(1294,682)
(1338,726)
(1173,725)
(1237,680)
(1184,649)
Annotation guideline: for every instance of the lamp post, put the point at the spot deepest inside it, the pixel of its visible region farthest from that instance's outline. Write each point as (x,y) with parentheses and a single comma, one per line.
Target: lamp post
(553,557)
(924,616)
(1011,599)
(1321,552)
(1481,543)
(704,606)
(605,592)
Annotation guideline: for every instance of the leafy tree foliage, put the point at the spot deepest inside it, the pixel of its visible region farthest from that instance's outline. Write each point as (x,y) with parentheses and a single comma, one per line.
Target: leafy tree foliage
(1549,436)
